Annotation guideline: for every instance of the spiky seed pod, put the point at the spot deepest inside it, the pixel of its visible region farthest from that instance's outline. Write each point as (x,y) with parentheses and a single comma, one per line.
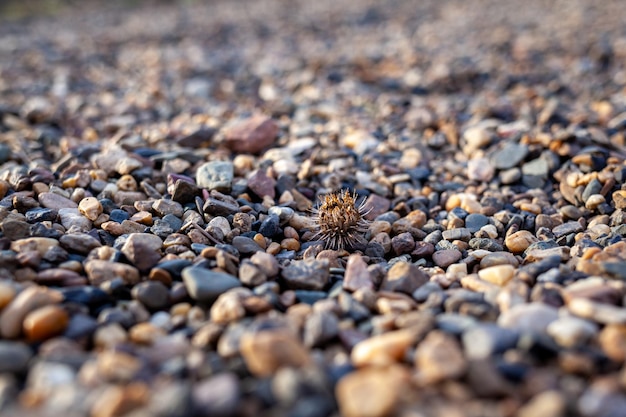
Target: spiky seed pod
(339,221)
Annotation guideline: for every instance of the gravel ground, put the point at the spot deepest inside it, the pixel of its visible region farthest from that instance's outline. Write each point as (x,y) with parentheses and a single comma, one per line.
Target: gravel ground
(309,209)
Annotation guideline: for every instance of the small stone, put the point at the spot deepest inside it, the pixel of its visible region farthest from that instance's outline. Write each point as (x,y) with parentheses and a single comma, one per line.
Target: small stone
(439,357)
(536,168)
(246,245)
(613,341)
(217,395)
(252,135)
(459,233)
(357,275)
(45,322)
(619,199)
(71,217)
(320,328)
(7,293)
(15,229)
(270,226)
(266,262)
(598,312)
(205,285)
(90,207)
(511,155)
(567,228)
(594,201)
(215,175)
(31,298)
(487,339)
(403,243)
(446,257)
(229,307)
(307,274)
(143,250)
(498,274)
(532,317)
(14,356)
(404,277)
(375,205)
(163,207)
(519,241)
(79,242)
(571,331)
(372,392)
(261,184)
(480,169)
(267,351)
(250,274)
(476,137)
(383,349)
(545,404)
(498,258)
(475,221)
(152,294)
(55,201)
(100,271)
(109,335)
(116,400)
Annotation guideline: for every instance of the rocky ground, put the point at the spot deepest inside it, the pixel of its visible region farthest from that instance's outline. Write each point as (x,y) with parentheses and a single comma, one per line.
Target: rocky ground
(160,166)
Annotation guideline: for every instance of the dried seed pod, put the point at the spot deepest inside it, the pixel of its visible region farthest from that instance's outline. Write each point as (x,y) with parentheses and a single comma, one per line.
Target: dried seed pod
(340,223)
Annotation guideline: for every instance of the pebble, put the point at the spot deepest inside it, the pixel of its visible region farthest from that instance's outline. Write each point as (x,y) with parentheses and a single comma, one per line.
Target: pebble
(45,322)
(485,340)
(205,285)
(215,175)
(267,351)
(143,250)
(101,271)
(251,135)
(71,217)
(498,274)
(357,275)
(320,328)
(218,395)
(14,356)
(571,332)
(30,299)
(307,274)
(90,207)
(383,349)
(55,201)
(261,184)
(81,243)
(519,241)
(372,392)
(511,155)
(404,277)
(152,294)
(439,357)
(229,306)
(446,257)
(532,318)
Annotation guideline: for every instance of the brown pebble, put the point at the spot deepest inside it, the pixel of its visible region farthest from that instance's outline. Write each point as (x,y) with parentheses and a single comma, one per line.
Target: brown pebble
(45,322)
(30,299)
(498,274)
(267,351)
(252,135)
(383,349)
(439,357)
(372,392)
(519,241)
(117,401)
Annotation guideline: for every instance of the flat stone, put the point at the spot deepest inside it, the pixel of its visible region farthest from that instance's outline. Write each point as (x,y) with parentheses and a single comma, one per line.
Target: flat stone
(519,241)
(536,168)
(307,274)
(509,156)
(143,250)
(205,285)
(567,228)
(215,175)
(229,306)
(612,339)
(79,242)
(375,205)
(252,135)
(164,206)
(320,328)
(446,257)
(152,294)
(619,199)
(598,312)
(404,277)
(267,351)
(403,243)
(266,262)
(15,229)
(246,245)
(55,201)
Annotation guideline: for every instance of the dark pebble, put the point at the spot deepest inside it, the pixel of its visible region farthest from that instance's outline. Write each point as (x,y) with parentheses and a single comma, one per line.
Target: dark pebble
(475,221)
(152,294)
(270,226)
(14,356)
(486,244)
(41,215)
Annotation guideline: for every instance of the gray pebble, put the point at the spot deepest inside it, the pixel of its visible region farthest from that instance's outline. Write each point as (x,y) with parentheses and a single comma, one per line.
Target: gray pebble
(205,285)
